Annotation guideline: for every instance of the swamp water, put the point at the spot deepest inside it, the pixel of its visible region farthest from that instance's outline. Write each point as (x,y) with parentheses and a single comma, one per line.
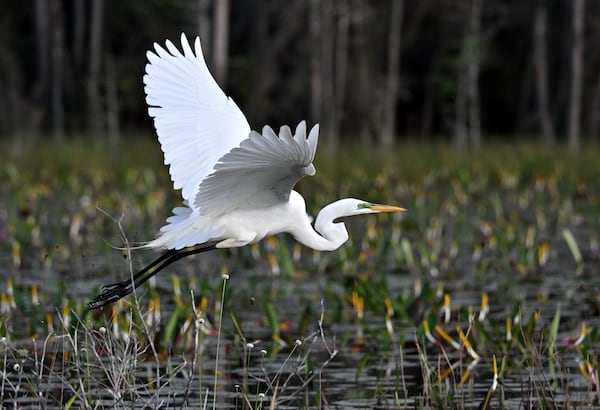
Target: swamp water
(410,313)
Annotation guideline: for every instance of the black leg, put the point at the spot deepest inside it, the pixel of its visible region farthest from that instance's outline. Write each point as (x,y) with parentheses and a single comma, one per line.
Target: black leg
(115,291)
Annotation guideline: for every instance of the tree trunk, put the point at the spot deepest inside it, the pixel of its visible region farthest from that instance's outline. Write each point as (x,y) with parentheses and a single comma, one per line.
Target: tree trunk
(327,65)
(204,27)
(263,71)
(388,131)
(221,41)
(576,76)
(42,61)
(316,79)
(594,112)
(362,90)
(17,119)
(78,34)
(112,101)
(460,107)
(473,65)
(56,65)
(94,116)
(341,64)
(541,71)
(467,127)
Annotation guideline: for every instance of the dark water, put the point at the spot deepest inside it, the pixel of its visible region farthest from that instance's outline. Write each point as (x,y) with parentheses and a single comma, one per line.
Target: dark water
(370,368)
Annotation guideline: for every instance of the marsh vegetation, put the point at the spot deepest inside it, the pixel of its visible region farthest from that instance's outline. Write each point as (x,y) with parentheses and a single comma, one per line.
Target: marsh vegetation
(485,293)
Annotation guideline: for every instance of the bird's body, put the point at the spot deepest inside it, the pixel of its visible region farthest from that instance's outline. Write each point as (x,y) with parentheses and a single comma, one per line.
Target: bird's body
(237,185)
(237,227)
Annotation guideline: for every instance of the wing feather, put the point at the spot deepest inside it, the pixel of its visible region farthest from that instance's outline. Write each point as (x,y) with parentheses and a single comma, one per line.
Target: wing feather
(195,121)
(261,172)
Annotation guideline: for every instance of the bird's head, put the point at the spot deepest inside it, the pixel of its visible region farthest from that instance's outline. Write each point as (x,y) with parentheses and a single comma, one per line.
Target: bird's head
(330,224)
(351,207)
(364,207)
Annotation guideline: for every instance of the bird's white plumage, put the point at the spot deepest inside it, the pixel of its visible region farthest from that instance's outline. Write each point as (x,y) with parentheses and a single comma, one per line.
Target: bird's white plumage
(213,157)
(237,186)
(259,173)
(195,121)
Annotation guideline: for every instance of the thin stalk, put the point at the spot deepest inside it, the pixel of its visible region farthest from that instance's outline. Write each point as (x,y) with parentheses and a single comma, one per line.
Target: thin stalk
(225,278)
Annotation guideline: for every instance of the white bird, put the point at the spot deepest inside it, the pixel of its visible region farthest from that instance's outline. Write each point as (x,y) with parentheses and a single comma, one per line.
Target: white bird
(237,185)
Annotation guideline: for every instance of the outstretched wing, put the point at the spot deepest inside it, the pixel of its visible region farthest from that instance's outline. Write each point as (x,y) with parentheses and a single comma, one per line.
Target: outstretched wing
(195,121)
(261,172)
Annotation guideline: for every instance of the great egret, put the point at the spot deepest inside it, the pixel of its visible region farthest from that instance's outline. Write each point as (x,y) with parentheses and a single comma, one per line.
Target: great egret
(237,185)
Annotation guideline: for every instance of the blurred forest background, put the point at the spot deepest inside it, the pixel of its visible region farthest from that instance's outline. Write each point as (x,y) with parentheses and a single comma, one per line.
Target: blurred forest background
(373,71)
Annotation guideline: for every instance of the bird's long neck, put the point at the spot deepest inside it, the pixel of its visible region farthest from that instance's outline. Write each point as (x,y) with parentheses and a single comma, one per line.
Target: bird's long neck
(327,235)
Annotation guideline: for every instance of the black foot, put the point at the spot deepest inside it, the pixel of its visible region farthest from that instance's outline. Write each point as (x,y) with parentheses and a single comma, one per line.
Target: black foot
(111,293)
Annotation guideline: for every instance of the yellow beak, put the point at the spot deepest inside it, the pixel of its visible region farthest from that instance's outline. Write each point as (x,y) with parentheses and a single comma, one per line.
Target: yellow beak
(386,208)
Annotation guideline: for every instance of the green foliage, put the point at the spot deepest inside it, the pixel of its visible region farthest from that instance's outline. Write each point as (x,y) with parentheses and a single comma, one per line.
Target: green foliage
(516,224)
